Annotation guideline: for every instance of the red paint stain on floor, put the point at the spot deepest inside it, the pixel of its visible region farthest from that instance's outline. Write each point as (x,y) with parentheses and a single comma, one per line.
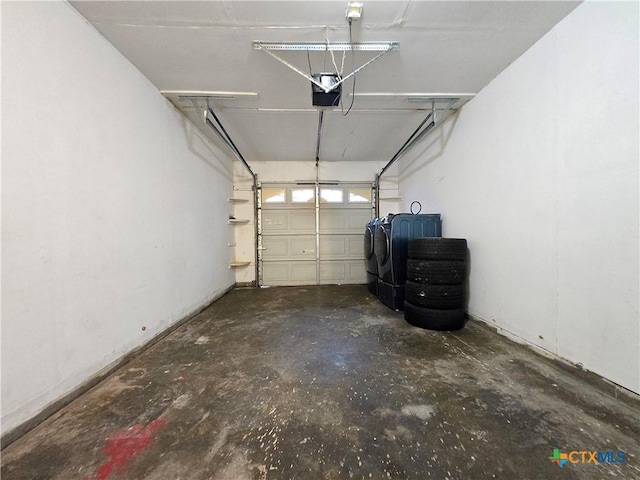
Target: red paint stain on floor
(124,445)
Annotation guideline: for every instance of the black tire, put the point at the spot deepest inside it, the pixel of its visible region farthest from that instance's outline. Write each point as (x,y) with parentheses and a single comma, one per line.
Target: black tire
(437,272)
(434,296)
(437,248)
(432,319)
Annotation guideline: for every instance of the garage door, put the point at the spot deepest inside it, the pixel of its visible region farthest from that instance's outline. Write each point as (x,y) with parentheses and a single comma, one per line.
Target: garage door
(312,234)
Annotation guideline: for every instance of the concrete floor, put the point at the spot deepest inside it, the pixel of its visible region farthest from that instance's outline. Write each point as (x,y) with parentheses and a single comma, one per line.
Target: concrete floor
(325,382)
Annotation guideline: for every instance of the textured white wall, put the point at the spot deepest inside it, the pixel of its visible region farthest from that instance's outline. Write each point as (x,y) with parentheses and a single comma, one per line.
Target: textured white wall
(540,173)
(114,208)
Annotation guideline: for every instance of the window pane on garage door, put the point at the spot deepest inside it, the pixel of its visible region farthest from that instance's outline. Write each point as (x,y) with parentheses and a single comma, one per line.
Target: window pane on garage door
(274,195)
(359,195)
(303,195)
(331,195)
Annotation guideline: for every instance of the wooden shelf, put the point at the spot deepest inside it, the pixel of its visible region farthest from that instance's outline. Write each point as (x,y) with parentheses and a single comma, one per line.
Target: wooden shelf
(237,200)
(237,221)
(239,264)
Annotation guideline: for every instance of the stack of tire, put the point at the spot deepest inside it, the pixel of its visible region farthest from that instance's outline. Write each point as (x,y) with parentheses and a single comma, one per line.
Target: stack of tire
(435,288)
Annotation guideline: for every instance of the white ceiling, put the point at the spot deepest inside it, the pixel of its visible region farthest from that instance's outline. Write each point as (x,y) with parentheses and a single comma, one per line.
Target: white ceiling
(445,47)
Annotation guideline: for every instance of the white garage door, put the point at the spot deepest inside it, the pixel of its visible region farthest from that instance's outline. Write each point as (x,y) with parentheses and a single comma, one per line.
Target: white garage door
(313,234)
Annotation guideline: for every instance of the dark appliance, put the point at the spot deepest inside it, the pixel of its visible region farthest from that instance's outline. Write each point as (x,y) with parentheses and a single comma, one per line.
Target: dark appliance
(390,249)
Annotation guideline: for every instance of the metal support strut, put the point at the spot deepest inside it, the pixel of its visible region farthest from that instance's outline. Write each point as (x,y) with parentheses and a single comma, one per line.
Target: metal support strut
(320,120)
(222,133)
(414,138)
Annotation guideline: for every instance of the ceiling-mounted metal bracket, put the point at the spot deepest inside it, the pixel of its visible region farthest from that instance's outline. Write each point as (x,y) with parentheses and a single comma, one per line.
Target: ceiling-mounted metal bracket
(382,47)
(219,129)
(415,137)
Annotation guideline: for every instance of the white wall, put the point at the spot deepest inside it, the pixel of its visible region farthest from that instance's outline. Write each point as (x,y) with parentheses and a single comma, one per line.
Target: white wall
(114,208)
(540,173)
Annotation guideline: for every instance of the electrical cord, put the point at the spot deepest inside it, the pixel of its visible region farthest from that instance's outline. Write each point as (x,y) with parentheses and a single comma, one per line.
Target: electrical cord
(353,67)
(333,58)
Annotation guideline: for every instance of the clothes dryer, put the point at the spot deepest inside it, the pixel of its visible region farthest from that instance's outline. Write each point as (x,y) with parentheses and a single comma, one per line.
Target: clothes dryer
(390,248)
(370,256)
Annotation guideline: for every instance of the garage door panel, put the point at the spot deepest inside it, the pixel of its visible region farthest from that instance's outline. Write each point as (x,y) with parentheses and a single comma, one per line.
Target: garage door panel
(356,271)
(332,221)
(275,221)
(348,220)
(341,246)
(332,272)
(275,247)
(355,246)
(333,246)
(303,272)
(304,246)
(288,221)
(275,273)
(357,219)
(302,221)
(342,271)
(289,236)
(281,247)
(289,273)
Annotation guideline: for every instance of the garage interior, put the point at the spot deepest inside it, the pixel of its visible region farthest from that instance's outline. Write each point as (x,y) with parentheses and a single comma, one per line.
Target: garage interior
(183,278)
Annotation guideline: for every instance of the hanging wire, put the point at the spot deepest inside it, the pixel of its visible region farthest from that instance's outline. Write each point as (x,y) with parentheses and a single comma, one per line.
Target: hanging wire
(353,67)
(309,62)
(333,58)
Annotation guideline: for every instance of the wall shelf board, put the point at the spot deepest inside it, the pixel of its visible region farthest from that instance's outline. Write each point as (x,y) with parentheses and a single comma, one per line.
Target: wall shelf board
(239,264)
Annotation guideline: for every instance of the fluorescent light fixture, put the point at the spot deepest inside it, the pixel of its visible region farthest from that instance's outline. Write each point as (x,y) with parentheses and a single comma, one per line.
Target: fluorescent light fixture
(354,10)
(415,96)
(451,100)
(417,101)
(324,46)
(188,94)
(431,99)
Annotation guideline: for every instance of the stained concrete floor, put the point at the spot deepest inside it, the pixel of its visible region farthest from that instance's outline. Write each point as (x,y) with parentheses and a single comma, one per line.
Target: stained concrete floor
(327,383)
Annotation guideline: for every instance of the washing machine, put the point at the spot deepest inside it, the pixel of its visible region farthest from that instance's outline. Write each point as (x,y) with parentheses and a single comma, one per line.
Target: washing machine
(370,256)
(391,238)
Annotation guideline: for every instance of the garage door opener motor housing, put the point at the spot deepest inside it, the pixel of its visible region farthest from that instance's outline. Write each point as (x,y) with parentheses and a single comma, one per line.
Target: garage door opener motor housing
(320,98)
